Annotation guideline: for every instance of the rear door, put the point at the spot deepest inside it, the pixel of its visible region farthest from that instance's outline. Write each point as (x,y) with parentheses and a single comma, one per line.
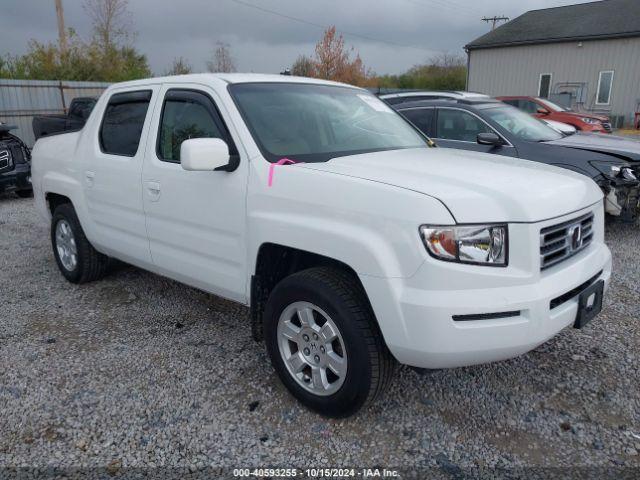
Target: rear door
(458,128)
(196,220)
(112,172)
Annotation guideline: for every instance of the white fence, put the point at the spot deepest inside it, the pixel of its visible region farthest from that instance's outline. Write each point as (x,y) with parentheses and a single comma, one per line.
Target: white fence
(20,100)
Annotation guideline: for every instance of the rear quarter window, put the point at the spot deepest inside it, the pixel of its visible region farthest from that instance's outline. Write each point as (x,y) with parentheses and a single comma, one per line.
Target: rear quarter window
(123,121)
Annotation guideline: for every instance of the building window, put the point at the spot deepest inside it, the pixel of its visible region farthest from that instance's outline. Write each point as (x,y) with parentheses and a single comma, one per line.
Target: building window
(544,86)
(605,84)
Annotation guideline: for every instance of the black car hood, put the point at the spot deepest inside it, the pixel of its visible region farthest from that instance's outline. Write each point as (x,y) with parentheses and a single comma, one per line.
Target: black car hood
(620,147)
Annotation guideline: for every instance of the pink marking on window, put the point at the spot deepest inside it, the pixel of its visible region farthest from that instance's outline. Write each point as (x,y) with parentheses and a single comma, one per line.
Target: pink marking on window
(282,161)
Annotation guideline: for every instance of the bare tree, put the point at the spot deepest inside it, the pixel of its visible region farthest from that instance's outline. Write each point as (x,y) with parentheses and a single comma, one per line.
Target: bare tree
(180,66)
(222,61)
(448,60)
(110,20)
(303,67)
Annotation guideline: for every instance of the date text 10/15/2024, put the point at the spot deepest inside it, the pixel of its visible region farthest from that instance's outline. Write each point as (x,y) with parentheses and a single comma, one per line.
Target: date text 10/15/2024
(316,472)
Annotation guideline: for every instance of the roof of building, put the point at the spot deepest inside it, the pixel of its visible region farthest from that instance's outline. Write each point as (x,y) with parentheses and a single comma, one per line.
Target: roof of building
(586,21)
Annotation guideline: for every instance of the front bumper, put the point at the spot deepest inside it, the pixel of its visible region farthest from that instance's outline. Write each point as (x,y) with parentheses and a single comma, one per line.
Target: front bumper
(623,201)
(17,179)
(416,315)
(601,128)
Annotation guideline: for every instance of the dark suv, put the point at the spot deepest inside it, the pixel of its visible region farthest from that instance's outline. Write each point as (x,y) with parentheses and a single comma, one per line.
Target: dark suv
(490,126)
(15,163)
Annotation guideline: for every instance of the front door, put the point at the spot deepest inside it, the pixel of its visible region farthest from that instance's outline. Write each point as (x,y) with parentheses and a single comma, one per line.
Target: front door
(195,220)
(457,128)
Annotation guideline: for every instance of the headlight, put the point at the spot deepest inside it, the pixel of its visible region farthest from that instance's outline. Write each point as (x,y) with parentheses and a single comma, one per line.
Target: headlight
(628,174)
(591,121)
(474,244)
(613,170)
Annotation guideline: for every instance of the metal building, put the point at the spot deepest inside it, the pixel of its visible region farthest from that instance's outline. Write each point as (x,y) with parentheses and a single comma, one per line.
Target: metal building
(586,56)
(21,100)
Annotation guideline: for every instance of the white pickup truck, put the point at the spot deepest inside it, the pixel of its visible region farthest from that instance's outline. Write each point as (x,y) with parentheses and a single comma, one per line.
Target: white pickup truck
(355,243)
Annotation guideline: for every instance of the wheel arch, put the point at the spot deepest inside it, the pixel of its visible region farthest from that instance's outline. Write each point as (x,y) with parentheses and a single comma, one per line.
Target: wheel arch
(54,200)
(274,262)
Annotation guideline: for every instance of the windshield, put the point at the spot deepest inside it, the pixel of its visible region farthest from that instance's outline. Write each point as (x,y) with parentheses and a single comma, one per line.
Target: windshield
(521,124)
(553,106)
(314,123)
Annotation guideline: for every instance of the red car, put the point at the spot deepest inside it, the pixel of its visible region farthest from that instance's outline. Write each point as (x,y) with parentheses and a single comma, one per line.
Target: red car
(543,108)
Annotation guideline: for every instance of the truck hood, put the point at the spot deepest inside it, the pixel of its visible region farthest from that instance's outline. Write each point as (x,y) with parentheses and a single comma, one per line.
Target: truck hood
(475,187)
(625,148)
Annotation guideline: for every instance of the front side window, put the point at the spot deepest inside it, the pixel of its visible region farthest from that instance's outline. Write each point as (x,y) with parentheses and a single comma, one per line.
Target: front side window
(553,106)
(520,124)
(420,117)
(605,84)
(529,106)
(186,114)
(123,121)
(459,125)
(315,123)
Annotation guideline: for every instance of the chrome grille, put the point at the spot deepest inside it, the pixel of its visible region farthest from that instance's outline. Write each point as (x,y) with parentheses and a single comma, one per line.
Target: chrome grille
(5,159)
(562,241)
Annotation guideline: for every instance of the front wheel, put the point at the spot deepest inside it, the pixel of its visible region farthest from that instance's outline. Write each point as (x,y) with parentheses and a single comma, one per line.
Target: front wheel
(324,342)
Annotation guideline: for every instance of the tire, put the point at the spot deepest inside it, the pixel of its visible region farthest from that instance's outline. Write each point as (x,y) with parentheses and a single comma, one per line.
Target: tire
(24,193)
(338,300)
(80,262)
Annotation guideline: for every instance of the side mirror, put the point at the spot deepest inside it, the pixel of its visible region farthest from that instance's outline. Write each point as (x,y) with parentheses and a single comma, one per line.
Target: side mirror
(489,139)
(542,111)
(204,154)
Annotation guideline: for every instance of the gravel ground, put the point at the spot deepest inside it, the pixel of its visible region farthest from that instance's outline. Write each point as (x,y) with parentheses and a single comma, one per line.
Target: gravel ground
(140,371)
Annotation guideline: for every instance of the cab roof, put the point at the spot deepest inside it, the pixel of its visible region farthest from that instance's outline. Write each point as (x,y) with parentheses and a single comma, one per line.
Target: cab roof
(229,78)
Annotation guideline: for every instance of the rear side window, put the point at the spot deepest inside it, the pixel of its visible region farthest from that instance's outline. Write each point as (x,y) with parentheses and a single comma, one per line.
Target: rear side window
(187,114)
(421,118)
(123,121)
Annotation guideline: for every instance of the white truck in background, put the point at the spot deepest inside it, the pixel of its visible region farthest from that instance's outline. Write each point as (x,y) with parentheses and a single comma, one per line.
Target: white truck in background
(356,245)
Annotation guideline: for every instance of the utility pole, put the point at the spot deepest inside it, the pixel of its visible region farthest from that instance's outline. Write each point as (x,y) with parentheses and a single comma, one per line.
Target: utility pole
(62,34)
(495,20)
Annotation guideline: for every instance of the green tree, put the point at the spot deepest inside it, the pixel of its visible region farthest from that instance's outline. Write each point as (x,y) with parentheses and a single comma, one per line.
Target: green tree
(442,72)
(107,57)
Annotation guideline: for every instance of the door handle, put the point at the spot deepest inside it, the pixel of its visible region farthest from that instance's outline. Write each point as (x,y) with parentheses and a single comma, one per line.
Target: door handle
(89,178)
(153,189)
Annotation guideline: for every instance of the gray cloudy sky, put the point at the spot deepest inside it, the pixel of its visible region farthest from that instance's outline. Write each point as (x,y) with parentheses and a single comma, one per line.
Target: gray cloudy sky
(409,31)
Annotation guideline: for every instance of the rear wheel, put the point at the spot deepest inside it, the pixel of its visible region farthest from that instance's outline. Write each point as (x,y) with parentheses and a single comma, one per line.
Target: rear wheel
(77,260)
(324,342)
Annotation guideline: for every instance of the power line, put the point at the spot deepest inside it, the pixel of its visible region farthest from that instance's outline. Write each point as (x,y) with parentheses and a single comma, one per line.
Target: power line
(324,27)
(447,4)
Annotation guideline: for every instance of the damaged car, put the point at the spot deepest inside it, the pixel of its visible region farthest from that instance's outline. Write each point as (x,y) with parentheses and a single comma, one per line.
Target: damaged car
(15,163)
(490,126)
